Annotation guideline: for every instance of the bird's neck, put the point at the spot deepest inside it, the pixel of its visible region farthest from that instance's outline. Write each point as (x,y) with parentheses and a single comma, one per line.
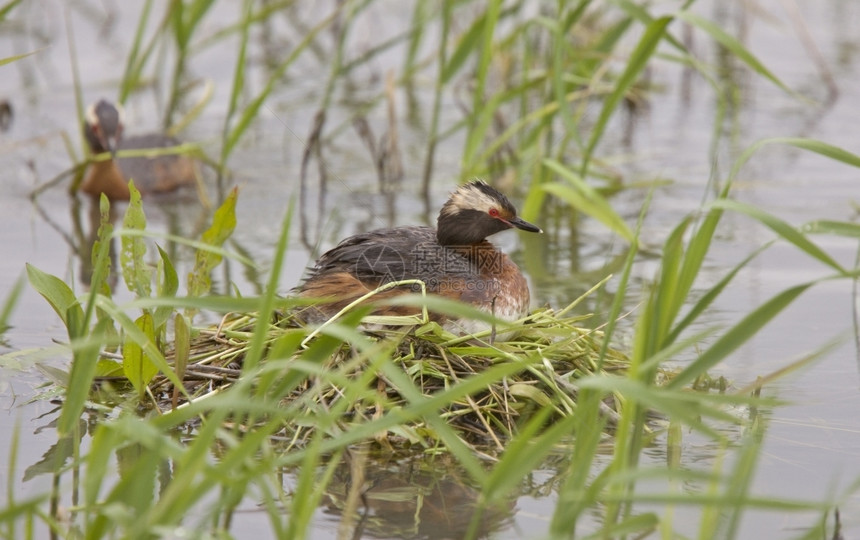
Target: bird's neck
(465,228)
(105,177)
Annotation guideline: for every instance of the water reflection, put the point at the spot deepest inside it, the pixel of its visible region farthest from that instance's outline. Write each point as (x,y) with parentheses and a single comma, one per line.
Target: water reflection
(384,153)
(410,498)
(5,114)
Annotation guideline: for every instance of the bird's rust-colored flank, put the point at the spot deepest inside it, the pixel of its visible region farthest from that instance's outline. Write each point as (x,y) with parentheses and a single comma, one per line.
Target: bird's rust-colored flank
(103,130)
(454,260)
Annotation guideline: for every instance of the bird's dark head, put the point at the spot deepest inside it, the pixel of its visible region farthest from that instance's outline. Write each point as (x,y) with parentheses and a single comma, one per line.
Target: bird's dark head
(103,124)
(474,212)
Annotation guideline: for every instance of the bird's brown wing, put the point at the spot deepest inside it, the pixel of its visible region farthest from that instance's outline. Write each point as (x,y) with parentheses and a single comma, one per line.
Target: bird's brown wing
(160,173)
(377,257)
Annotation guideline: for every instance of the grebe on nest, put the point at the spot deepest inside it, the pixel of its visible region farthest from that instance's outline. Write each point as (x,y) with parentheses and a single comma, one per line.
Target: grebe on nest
(455,261)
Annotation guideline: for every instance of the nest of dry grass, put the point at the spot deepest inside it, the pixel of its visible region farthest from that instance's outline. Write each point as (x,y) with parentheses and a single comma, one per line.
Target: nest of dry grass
(553,349)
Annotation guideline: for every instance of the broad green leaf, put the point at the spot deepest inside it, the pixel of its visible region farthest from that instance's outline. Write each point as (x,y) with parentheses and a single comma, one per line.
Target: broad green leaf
(58,295)
(136,364)
(222,227)
(101,265)
(169,282)
(132,332)
(137,467)
(586,199)
(53,460)
(167,286)
(56,375)
(108,368)
(136,273)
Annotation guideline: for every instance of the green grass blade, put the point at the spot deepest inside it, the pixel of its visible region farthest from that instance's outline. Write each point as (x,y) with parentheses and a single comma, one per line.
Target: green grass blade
(734,46)
(670,297)
(783,229)
(708,298)
(742,476)
(84,367)
(267,305)
(238,79)
(637,62)
(524,453)
(250,112)
(585,198)
(482,110)
(468,42)
(10,303)
(15,58)
(738,335)
(104,441)
(579,490)
(9,6)
(438,87)
(560,30)
(838,228)
(131,75)
(309,490)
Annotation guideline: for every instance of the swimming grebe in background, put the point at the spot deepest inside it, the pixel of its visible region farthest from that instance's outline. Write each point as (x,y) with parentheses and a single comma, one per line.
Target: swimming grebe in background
(455,260)
(103,130)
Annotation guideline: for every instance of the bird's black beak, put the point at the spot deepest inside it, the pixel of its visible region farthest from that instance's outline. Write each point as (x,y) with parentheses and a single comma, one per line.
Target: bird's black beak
(524,225)
(110,143)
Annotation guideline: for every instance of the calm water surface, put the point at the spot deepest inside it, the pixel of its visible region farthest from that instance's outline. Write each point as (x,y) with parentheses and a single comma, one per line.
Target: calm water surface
(813,446)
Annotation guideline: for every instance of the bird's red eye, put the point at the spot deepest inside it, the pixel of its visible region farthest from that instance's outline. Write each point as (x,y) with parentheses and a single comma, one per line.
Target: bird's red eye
(494,212)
